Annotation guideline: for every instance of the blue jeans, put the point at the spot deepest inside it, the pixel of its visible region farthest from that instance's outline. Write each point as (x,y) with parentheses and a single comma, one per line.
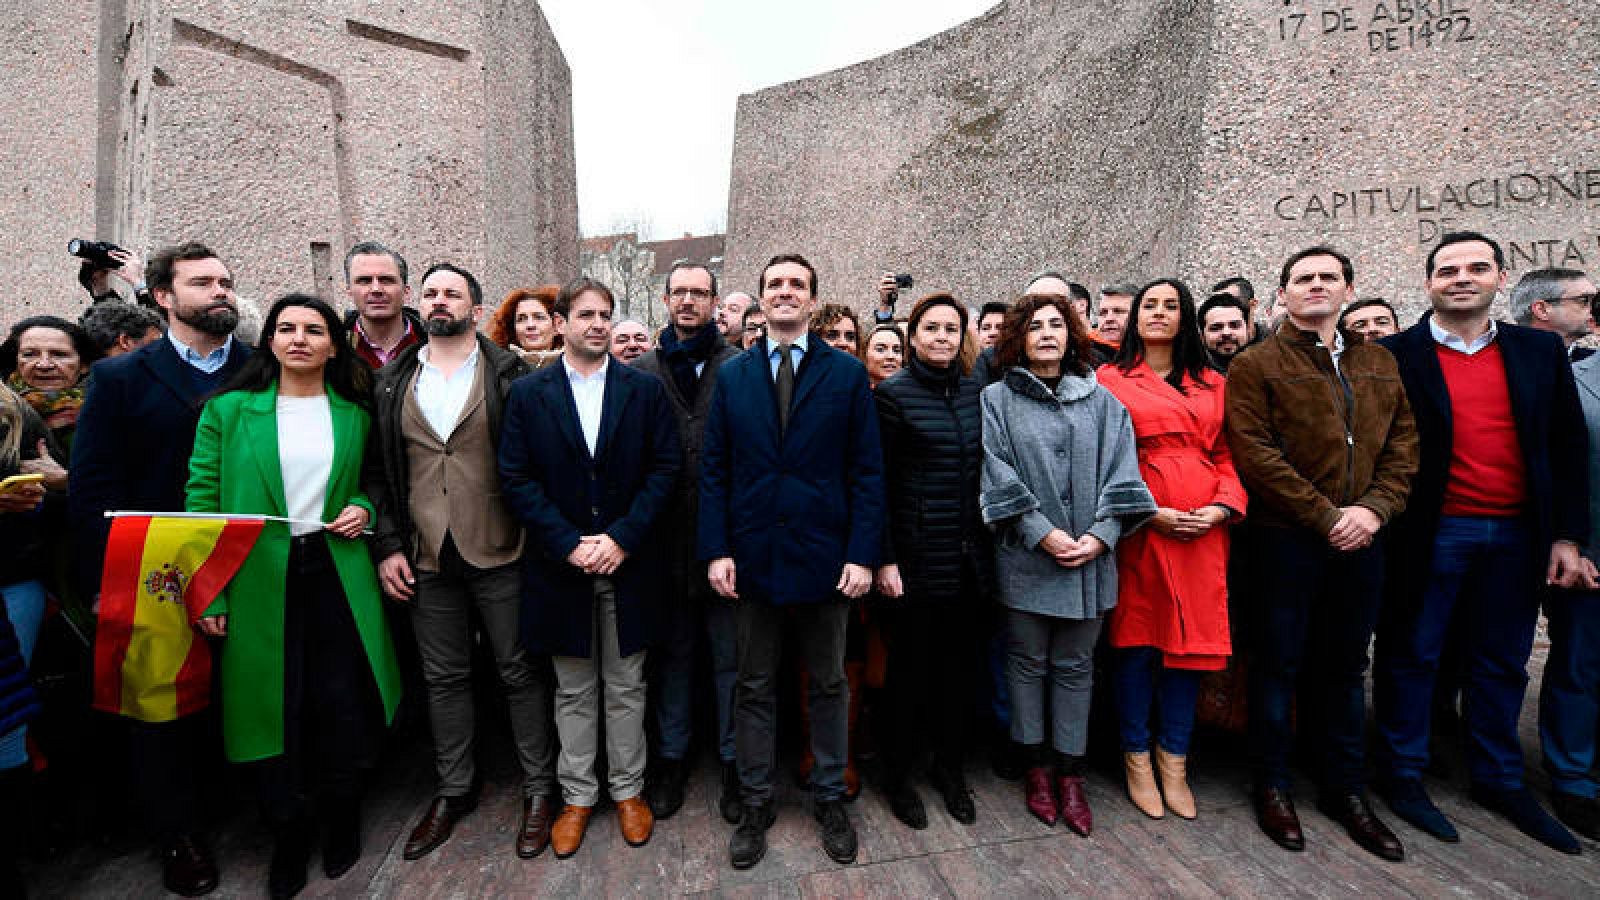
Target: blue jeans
(1484,570)
(25,608)
(674,677)
(1569,700)
(1315,608)
(1141,681)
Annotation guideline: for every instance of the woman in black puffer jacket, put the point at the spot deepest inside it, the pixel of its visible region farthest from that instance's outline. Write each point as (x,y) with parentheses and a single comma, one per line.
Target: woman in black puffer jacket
(936,563)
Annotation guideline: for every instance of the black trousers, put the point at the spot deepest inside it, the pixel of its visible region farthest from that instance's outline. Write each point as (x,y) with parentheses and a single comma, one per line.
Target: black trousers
(332,722)
(168,760)
(934,648)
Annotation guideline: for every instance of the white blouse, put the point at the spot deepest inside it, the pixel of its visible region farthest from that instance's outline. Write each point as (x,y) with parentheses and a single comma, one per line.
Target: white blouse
(305,456)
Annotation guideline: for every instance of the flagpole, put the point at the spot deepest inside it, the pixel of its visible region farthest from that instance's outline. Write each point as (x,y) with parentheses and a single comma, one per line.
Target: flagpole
(248,517)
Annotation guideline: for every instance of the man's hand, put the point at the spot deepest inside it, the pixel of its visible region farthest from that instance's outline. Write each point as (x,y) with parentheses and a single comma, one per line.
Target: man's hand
(854,580)
(1084,550)
(888,291)
(213,626)
(583,554)
(394,573)
(1568,568)
(720,572)
(606,556)
(1354,529)
(352,520)
(889,583)
(22,499)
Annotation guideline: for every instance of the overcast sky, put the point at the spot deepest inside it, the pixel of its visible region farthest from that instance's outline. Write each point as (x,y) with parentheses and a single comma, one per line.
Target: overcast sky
(655,84)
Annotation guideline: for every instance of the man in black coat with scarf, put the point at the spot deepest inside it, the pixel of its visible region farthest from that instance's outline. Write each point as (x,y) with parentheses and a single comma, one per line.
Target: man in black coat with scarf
(687,355)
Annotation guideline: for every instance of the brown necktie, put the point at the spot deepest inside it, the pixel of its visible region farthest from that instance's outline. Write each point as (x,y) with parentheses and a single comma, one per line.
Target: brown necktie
(785,385)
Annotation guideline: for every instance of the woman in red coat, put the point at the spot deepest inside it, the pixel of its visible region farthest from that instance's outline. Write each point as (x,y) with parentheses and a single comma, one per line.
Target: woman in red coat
(1170,625)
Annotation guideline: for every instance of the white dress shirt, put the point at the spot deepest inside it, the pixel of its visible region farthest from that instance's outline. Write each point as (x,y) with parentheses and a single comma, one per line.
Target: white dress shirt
(1454,342)
(305,459)
(442,398)
(589,393)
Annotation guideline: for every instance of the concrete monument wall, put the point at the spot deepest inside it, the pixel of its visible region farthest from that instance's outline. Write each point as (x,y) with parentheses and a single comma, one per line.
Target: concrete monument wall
(280,133)
(1194,137)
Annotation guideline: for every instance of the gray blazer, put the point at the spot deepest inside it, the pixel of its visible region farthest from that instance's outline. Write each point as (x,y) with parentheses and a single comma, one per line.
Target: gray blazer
(1062,460)
(1587,373)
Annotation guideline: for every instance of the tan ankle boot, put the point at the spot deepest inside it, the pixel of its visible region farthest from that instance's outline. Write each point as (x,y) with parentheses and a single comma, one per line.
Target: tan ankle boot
(1175,784)
(1142,785)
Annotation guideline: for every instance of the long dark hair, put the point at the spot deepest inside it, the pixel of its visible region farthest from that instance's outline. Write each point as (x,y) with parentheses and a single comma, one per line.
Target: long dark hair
(344,375)
(1011,348)
(1189,356)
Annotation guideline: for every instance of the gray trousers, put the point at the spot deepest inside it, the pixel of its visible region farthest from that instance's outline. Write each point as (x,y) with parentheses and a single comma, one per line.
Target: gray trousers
(441,617)
(1052,658)
(820,628)
(579,684)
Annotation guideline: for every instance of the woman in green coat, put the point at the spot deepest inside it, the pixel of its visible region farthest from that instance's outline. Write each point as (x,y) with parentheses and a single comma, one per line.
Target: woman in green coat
(308,668)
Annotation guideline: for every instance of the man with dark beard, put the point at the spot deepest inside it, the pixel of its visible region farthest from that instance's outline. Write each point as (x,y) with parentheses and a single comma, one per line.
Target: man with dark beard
(1225,328)
(131,452)
(447,546)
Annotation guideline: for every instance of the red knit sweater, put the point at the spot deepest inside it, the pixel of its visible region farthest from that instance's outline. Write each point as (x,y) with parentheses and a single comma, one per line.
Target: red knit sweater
(1487,477)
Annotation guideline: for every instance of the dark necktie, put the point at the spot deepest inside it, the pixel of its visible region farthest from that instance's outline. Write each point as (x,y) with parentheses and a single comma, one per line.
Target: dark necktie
(785,385)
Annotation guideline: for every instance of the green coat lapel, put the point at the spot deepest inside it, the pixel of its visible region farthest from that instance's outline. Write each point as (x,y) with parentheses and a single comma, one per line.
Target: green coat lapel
(260,423)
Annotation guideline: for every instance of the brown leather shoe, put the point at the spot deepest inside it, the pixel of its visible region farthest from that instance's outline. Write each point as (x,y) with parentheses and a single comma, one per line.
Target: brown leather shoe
(566,835)
(534,835)
(187,868)
(1275,814)
(636,820)
(437,824)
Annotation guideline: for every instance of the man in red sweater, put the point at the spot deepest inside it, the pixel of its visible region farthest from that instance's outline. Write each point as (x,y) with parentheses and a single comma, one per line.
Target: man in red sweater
(1499,507)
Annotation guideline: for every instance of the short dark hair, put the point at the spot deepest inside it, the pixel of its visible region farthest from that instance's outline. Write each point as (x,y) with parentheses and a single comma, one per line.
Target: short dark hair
(1247,291)
(1345,266)
(88,352)
(1011,348)
(373,248)
(753,309)
(1365,302)
(666,288)
(781,258)
(109,320)
(158,272)
(1120,287)
(1465,237)
(570,291)
(1219,300)
(1078,291)
(992,307)
(473,288)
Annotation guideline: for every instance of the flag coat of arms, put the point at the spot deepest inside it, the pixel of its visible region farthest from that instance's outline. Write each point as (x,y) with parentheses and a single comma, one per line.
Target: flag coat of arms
(161,572)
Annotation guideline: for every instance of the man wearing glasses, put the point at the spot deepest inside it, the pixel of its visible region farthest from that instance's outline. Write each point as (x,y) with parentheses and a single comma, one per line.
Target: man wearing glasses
(686,358)
(1558,300)
(755,327)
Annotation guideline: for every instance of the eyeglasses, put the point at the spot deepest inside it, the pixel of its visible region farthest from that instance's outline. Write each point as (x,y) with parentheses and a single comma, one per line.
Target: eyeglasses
(834,334)
(755,329)
(690,293)
(1585,299)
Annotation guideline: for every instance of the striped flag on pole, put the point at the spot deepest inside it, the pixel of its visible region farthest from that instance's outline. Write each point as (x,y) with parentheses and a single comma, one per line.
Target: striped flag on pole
(161,573)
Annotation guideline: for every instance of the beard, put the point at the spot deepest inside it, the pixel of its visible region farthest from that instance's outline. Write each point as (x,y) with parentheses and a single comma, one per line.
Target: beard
(1226,347)
(216,320)
(446,327)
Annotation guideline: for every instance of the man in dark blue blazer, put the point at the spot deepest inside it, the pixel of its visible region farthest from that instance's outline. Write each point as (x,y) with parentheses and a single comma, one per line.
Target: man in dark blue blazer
(791,522)
(131,452)
(589,455)
(1499,508)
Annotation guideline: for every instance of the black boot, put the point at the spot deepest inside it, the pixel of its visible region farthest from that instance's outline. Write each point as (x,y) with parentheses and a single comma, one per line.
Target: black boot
(291,853)
(341,842)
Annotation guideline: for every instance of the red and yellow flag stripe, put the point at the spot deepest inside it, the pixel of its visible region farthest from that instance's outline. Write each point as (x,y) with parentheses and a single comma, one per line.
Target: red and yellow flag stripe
(160,575)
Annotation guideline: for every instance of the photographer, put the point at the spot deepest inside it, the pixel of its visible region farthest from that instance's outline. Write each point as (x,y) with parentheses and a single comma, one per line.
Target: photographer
(105,263)
(889,288)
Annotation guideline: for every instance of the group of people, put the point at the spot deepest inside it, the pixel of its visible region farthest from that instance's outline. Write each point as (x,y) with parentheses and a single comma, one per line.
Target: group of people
(950,512)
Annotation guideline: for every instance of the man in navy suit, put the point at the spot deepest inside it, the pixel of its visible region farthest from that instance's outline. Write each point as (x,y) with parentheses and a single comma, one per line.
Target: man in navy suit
(589,455)
(791,521)
(131,452)
(1499,508)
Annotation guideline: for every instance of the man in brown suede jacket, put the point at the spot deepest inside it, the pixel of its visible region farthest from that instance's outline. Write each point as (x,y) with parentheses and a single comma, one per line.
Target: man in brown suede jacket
(1324,441)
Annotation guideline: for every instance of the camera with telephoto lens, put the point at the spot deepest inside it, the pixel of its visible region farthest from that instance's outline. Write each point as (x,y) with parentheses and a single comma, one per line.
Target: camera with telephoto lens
(96,253)
(901,283)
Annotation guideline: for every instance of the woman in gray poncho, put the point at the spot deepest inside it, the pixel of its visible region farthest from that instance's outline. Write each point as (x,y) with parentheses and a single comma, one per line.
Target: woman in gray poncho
(1060,484)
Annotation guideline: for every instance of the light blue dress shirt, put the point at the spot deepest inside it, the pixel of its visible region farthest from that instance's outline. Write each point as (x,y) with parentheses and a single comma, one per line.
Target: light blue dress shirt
(799,346)
(209,363)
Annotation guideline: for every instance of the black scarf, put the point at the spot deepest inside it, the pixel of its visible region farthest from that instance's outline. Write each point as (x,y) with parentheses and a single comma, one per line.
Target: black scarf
(683,355)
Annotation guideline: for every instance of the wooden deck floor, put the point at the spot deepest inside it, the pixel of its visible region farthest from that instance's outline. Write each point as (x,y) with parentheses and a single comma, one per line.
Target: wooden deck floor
(1006,854)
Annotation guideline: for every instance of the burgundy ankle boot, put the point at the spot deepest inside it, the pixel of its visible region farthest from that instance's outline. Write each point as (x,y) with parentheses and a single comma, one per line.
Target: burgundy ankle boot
(1075,804)
(1041,794)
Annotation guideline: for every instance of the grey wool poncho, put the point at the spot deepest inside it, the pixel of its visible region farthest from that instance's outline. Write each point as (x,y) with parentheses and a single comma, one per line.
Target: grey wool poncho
(1062,460)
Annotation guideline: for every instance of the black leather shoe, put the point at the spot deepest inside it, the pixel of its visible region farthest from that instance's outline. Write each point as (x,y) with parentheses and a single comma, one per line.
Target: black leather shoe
(749,842)
(187,868)
(665,790)
(1353,812)
(437,824)
(905,804)
(533,835)
(838,835)
(1581,814)
(730,804)
(1275,815)
(951,783)
(341,845)
(291,852)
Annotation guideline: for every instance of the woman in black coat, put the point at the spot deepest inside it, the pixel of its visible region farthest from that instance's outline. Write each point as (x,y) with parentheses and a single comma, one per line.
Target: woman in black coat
(935,567)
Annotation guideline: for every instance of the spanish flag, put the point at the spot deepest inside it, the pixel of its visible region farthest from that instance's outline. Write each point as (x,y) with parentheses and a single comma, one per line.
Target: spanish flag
(161,573)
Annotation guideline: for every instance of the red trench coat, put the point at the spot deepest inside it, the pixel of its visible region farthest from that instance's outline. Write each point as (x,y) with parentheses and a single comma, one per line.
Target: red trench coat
(1173,595)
